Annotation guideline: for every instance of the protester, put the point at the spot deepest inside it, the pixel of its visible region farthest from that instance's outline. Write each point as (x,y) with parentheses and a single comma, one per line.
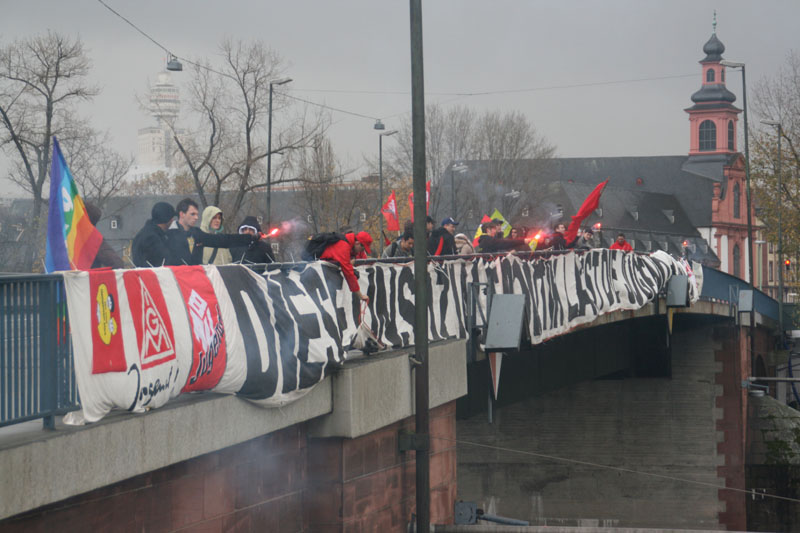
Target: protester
(150,246)
(186,242)
(106,256)
(429,223)
(343,252)
(557,241)
(489,242)
(211,222)
(584,242)
(258,253)
(441,241)
(621,244)
(463,245)
(402,247)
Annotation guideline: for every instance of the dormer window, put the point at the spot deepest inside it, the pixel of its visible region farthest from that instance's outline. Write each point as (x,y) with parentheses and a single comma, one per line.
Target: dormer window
(634,211)
(710,75)
(708,136)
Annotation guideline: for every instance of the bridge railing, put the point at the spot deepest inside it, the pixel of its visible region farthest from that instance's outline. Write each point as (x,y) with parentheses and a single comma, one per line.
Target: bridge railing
(722,287)
(37,378)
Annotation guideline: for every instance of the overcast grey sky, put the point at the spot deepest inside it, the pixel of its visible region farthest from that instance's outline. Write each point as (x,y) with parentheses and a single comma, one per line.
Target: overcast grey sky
(470,46)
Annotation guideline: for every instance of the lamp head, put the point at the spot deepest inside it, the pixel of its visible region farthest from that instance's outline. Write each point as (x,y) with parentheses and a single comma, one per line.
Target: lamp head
(771,122)
(281,81)
(379,125)
(387,133)
(731,64)
(173,64)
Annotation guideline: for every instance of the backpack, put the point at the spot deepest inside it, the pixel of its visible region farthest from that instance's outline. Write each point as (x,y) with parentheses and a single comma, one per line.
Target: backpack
(317,244)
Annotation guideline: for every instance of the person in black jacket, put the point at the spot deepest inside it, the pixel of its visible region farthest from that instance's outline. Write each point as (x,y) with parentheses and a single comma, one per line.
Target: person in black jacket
(584,242)
(442,240)
(260,252)
(557,240)
(186,242)
(489,242)
(149,248)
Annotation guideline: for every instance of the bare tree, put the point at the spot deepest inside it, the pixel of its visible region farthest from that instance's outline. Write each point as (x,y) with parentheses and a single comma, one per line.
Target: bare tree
(42,79)
(502,152)
(327,200)
(226,147)
(778,99)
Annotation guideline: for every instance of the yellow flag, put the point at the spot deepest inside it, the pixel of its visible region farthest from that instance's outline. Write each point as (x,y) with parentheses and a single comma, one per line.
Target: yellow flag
(506,227)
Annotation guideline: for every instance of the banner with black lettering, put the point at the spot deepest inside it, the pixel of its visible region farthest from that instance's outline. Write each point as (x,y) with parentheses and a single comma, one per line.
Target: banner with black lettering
(144,336)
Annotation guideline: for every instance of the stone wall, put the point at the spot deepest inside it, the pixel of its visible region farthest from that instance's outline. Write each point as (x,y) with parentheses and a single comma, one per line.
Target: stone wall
(674,427)
(282,482)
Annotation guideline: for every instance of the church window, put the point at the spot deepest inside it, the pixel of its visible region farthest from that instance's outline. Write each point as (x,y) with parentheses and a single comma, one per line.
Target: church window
(731,133)
(737,257)
(708,136)
(722,75)
(736,201)
(770,272)
(710,75)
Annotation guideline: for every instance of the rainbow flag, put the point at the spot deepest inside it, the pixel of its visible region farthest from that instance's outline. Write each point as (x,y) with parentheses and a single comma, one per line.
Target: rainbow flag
(72,240)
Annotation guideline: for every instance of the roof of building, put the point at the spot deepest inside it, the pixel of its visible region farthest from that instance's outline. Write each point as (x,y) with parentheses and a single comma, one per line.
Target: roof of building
(713,49)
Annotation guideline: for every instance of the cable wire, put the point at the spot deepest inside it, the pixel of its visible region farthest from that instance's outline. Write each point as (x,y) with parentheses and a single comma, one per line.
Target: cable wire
(617,468)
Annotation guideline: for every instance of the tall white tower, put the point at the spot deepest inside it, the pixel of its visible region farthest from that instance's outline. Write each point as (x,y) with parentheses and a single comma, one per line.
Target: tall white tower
(156,149)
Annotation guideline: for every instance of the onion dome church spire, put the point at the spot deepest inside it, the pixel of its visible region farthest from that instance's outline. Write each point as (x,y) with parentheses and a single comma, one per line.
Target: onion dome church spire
(713,117)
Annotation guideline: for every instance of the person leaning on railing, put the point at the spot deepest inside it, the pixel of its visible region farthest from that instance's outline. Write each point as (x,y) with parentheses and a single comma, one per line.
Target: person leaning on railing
(150,248)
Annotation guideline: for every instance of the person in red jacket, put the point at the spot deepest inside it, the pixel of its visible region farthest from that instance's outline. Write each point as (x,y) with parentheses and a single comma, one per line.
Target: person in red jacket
(343,252)
(621,244)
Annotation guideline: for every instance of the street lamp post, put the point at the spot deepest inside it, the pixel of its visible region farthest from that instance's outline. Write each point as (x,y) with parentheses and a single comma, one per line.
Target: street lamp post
(380,180)
(780,225)
(269,151)
(733,64)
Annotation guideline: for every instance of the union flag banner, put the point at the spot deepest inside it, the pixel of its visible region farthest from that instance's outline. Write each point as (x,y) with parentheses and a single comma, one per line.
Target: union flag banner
(389,211)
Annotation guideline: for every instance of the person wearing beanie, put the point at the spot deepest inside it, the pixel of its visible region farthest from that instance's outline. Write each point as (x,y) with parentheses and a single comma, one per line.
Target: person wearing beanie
(149,247)
(258,253)
(344,252)
(106,256)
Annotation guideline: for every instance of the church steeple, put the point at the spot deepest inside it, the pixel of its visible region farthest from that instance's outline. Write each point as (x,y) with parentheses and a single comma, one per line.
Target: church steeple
(713,117)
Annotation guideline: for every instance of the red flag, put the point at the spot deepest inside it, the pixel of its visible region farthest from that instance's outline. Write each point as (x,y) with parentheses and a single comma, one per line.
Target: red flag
(427,200)
(389,211)
(589,205)
(478,233)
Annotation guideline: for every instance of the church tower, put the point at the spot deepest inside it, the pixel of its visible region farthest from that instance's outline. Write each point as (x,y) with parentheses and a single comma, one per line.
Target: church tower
(713,117)
(713,154)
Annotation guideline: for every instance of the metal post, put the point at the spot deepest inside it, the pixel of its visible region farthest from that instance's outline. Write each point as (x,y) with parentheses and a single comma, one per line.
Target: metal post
(269,162)
(780,237)
(420,267)
(747,179)
(380,188)
(453,193)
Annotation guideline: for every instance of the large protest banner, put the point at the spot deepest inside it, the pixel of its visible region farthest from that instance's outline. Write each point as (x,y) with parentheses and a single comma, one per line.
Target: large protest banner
(144,336)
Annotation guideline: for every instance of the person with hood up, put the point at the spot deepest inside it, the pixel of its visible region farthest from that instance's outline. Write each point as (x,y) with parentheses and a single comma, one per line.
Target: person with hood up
(343,253)
(211,222)
(260,252)
(150,247)
(463,245)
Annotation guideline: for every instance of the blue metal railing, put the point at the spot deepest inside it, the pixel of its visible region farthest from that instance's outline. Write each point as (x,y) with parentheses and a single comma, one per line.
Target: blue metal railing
(37,378)
(717,285)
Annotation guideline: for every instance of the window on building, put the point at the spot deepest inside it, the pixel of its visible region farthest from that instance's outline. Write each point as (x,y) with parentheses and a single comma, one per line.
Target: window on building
(737,257)
(708,136)
(731,133)
(710,75)
(722,75)
(771,248)
(362,217)
(736,201)
(113,224)
(769,270)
